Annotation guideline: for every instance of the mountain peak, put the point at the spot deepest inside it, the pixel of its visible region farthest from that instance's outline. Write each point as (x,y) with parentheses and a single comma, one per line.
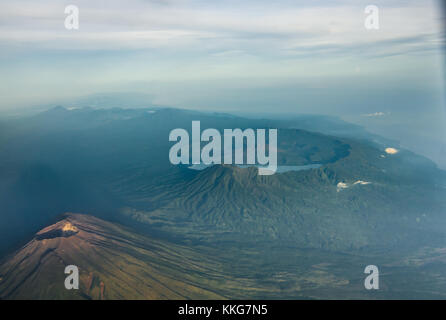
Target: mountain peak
(61,229)
(232,170)
(113,262)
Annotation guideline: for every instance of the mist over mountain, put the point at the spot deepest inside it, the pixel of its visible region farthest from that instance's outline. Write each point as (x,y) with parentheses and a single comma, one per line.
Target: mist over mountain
(222,150)
(116,160)
(352,192)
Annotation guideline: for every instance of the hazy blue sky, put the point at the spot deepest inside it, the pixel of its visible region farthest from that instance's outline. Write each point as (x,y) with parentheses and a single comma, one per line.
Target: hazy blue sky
(250,56)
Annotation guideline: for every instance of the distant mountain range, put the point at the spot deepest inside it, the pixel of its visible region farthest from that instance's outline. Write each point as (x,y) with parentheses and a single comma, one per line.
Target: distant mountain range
(111,161)
(353,196)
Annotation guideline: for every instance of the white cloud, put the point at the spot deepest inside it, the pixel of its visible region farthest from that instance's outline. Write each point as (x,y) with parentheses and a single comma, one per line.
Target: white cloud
(341,185)
(362,182)
(376,114)
(391,151)
(288,28)
(188,52)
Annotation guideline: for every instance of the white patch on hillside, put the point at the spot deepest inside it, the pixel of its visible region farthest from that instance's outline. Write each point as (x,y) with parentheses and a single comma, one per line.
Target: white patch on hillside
(391,150)
(362,182)
(341,185)
(376,114)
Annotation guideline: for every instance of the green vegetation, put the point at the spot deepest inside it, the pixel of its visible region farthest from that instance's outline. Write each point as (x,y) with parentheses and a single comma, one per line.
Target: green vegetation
(223,232)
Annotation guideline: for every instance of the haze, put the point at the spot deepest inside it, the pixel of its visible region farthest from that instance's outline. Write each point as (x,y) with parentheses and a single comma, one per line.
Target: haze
(277,57)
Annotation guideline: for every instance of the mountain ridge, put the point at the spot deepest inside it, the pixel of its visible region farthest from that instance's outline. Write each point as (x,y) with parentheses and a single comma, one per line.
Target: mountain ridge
(113,263)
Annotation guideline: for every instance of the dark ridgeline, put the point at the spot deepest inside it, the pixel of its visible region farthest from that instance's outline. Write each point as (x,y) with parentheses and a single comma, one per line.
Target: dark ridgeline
(114,164)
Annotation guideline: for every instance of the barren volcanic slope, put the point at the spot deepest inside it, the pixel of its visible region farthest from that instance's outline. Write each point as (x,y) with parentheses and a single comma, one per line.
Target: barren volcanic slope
(116,263)
(110,259)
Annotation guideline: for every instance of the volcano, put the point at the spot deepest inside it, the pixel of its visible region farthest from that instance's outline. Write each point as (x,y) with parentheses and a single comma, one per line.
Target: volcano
(113,263)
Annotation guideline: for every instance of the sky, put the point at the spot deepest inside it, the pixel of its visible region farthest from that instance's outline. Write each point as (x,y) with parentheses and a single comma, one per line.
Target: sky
(237,56)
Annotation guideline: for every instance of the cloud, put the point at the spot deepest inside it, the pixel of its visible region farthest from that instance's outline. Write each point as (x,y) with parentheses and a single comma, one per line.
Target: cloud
(376,114)
(391,150)
(343,185)
(340,186)
(197,53)
(362,182)
(290,28)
